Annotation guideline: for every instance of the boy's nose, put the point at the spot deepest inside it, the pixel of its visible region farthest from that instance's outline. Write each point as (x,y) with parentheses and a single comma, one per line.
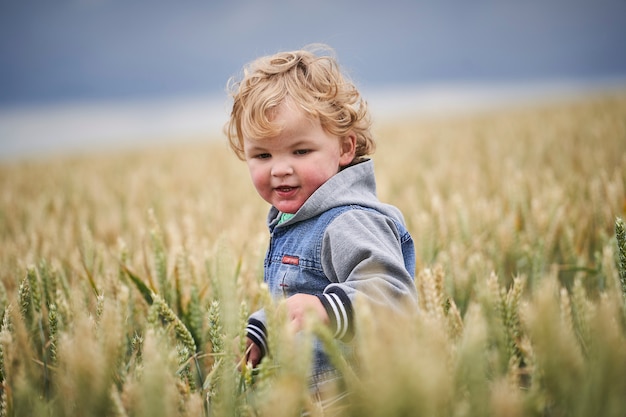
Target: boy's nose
(281,168)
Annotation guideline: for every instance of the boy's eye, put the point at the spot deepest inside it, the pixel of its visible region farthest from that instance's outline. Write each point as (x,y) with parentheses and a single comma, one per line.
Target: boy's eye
(263,156)
(302,151)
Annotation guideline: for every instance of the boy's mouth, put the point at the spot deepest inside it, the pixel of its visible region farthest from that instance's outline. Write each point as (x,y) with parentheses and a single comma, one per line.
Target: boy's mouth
(285,189)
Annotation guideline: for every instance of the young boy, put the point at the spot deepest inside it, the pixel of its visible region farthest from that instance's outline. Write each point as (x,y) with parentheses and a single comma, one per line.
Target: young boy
(304,132)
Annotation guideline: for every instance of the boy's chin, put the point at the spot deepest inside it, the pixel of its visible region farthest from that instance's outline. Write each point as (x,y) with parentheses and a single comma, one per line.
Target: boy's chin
(287,208)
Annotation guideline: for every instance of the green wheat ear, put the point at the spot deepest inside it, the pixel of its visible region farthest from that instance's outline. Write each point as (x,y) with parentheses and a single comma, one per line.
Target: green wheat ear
(511,318)
(160,257)
(5,339)
(167,315)
(53,323)
(25,300)
(620,235)
(216,331)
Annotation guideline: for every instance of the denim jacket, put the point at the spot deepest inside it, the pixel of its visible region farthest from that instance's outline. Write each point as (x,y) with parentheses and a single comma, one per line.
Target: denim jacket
(342,244)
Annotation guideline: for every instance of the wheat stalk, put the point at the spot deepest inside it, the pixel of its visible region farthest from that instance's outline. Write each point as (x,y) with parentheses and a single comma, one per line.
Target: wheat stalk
(620,235)
(160,257)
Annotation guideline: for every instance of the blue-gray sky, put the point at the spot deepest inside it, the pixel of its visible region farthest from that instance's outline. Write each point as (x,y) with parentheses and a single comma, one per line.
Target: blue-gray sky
(109,49)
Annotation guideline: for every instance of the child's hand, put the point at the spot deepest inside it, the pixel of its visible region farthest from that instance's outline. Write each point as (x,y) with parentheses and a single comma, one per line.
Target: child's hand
(253,353)
(298,305)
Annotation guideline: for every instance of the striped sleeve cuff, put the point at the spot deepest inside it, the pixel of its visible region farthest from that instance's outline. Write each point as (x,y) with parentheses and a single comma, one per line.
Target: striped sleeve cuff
(255,330)
(339,309)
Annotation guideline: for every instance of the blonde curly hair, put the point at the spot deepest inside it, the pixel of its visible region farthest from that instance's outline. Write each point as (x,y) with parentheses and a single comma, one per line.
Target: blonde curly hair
(311,77)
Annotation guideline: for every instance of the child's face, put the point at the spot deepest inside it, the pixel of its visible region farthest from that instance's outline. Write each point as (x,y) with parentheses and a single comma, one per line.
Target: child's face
(286,169)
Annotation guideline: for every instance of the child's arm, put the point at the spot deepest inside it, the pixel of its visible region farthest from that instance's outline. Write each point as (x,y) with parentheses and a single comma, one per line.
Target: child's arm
(256,338)
(362,257)
(299,305)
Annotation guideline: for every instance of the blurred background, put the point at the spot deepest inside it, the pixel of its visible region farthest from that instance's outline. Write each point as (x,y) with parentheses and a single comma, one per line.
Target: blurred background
(84,75)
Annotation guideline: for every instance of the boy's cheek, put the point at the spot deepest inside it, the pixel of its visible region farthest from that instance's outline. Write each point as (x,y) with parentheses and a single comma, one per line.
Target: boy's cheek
(255,175)
(258,179)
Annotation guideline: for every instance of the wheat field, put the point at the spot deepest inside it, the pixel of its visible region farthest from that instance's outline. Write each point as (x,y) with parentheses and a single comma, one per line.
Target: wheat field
(126,277)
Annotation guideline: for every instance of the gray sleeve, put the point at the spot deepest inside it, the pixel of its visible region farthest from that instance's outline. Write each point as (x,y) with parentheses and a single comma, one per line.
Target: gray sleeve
(256,330)
(362,257)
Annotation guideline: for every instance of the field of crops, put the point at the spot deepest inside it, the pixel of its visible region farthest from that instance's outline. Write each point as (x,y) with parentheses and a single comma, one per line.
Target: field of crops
(126,277)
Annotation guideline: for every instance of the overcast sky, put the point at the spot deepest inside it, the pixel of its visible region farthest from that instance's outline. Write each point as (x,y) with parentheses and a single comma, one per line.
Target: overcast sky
(81,75)
(99,49)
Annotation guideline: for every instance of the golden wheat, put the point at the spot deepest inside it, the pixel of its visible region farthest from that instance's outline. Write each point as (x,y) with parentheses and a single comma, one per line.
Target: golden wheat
(126,278)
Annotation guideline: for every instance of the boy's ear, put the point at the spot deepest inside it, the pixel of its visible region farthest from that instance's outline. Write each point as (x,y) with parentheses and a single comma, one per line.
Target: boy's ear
(348,149)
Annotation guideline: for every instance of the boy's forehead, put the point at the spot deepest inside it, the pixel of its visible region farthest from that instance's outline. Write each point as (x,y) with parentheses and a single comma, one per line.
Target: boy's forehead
(270,143)
(292,129)
(284,118)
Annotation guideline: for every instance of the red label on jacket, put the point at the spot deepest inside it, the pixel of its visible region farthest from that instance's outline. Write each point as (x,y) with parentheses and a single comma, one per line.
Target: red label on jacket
(291,260)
